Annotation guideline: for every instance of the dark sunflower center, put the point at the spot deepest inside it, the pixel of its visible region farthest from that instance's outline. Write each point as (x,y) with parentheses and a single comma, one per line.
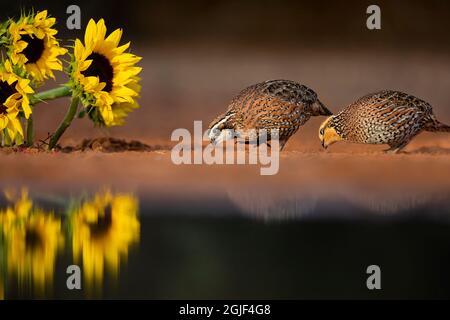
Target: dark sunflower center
(100,67)
(103,223)
(34,49)
(32,239)
(6,90)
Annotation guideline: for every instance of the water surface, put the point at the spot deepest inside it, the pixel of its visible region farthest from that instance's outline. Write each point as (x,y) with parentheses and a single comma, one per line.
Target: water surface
(132,245)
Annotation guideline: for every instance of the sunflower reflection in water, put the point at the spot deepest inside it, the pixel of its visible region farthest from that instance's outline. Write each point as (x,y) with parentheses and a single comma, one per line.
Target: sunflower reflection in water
(32,240)
(103,230)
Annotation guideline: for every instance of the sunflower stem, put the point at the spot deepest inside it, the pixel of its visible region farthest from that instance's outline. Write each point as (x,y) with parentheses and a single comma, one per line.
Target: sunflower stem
(65,123)
(30,132)
(63,91)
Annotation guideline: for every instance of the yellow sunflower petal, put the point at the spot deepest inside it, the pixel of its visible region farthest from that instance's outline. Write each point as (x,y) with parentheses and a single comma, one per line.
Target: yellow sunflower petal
(101,30)
(115,37)
(91,33)
(41,15)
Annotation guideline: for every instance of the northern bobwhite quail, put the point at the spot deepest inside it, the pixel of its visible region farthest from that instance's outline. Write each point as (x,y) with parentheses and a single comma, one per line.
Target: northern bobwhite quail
(275,104)
(385,117)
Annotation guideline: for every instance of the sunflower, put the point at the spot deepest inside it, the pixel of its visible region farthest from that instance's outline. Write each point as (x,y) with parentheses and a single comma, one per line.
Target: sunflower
(32,44)
(32,248)
(14,91)
(8,218)
(103,230)
(33,238)
(104,75)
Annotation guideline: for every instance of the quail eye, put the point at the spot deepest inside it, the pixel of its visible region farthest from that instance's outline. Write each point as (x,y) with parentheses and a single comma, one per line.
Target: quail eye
(221,126)
(322,131)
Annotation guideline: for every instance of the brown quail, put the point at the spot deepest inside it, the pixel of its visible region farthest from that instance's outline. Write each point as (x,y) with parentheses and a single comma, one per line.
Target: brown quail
(275,104)
(386,117)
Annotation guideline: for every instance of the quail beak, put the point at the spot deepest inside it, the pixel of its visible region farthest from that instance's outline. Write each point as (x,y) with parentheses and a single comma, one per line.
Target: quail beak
(324,145)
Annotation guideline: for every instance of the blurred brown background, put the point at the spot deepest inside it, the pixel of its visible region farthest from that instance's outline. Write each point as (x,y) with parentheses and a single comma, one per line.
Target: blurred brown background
(198,54)
(411,24)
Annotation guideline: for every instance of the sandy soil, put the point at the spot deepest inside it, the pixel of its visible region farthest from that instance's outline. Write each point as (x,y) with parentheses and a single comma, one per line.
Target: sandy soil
(425,164)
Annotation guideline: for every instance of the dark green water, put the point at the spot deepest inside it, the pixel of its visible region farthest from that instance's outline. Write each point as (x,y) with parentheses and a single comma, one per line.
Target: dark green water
(195,249)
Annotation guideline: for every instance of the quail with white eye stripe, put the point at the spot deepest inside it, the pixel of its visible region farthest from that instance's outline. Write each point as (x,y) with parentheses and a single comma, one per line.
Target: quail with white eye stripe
(282,105)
